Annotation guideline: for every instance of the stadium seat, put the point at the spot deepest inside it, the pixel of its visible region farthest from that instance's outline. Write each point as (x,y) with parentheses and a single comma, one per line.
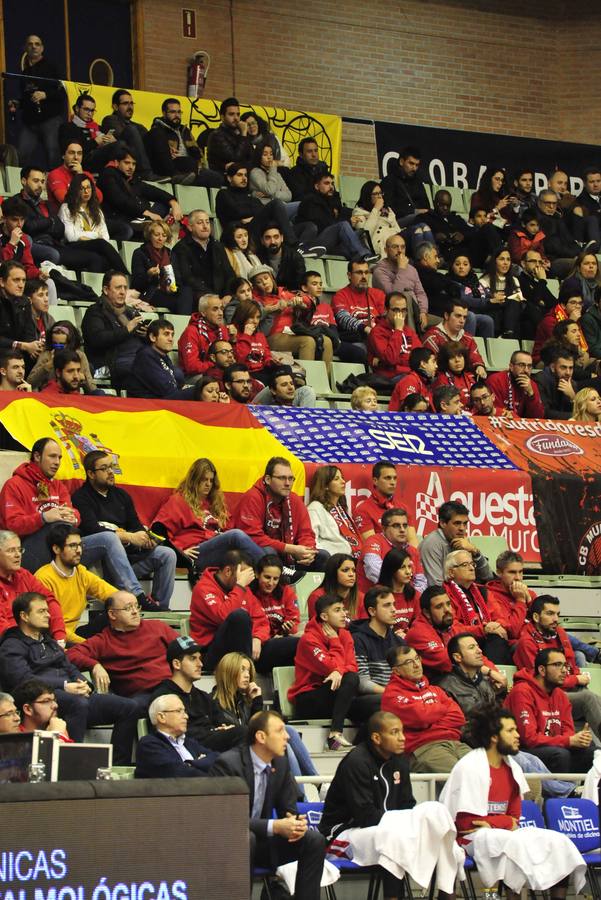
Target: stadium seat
(122,773)
(336,271)
(429,189)
(350,188)
(12,179)
(66,312)
(127,251)
(578,820)
(317,376)
(283,678)
(213,198)
(163,185)
(180,323)
(553,285)
(317,265)
(491,545)
(481,345)
(93,280)
(142,727)
(510,672)
(457,197)
(304,587)
(179,621)
(531,816)
(190,197)
(468,193)
(527,346)
(341,371)
(499,352)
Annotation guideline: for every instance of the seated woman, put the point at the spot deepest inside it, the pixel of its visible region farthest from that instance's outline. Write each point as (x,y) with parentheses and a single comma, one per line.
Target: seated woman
(493,196)
(240,291)
(152,272)
(84,222)
(196,519)
(239,697)
(373,216)
(261,135)
(340,578)
(454,369)
(279,603)
(62,335)
(568,336)
(364,399)
(334,528)
(584,278)
(505,295)
(239,248)
(208,390)
(251,347)
(36,291)
(265,181)
(587,406)
(466,284)
(287,309)
(569,306)
(397,574)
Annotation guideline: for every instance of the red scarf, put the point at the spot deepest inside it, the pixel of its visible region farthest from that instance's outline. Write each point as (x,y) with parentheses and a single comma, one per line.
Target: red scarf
(161,259)
(347,528)
(472,609)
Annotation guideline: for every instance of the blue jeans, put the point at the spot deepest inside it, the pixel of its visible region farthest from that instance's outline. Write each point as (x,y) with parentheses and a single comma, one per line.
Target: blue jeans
(211,552)
(583,652)
(105,547)
(342,236)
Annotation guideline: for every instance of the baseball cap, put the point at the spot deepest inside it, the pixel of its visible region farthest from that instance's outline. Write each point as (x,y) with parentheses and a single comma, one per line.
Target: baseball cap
(182,646)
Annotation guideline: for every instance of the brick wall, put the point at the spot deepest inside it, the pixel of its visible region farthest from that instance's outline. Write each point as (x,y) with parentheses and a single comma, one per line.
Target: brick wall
(482,65)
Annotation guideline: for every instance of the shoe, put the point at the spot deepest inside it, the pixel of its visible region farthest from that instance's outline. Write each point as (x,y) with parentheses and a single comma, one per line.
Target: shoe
(591,247)
(147,604)
(338,742)
(311,252)
(371,258)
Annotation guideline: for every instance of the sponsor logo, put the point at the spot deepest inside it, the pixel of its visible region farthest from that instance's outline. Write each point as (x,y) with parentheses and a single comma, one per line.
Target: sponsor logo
(553,445)
(589,550)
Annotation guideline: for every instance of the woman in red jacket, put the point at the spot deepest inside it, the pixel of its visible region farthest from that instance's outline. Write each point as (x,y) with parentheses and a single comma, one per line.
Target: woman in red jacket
(396,573)
(279,604)
(340,578)
(251,347)
(196,519)
(454,369)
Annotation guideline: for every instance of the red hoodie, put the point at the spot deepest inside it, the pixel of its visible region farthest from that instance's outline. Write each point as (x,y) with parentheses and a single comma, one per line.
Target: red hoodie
(505,609)
(28,494)
(211,605)
(21,582)
(543,719)
(391,348)
(285,318)
(272,521)
(410,384)
(193,345)
(368,513)
(427,713)
(531,641)
(184,528)
(253,350)
(284,609)
(317,655)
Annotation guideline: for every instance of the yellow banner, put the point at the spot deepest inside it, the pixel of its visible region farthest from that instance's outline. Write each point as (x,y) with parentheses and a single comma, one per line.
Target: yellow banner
(290,126)
(151,448)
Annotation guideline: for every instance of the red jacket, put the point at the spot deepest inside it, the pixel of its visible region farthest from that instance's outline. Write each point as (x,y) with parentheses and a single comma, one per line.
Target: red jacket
(271,522)
(184,528)
(317,655)
(462,382)
(410,384)
(57,185)
(436,337)
(427,713)
(520,404)
(519,242)
(388,349)
(21,582)
(365,306)
(285,318)
(543,719)
(21,253)
(284,609)
(193,345)
(531,641)
(253,350)
(379,545)
(544,329)
(505,610)
(368,513)
(323,315)
(135,660)
(26,495)
(211,606)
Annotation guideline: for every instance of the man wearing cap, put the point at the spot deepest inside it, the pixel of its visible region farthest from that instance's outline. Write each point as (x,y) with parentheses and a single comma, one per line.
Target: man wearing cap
(282,391)
(207,723)
(169,752)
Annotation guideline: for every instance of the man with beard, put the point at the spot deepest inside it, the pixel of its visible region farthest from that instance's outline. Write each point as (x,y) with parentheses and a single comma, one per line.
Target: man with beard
(356,308)
(515,390)
(287,263)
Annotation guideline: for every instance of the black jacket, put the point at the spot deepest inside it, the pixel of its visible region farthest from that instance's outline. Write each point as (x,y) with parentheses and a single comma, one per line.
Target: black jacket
(536,292)
(107,342)
(558,240)
(117,508)
(467,692)
(70,133)
(235,204)
(204,713)
(557,405)
(281,793)
(300,178)
(124,199)
(365,786)
(157,758)
(54,104)
(185,258)
(439,288)
(225,146)
(16,323)
(23,657)
(292,267)
(592,205)
(371,650)
(157,146)
(404,195)
(40,225)
(322,211)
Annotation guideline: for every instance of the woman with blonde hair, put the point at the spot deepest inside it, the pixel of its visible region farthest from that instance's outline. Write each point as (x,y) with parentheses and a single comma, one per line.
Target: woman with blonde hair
(152,271)
(239,697)
(334,528)
(587,406)
(364,398)
(196,519)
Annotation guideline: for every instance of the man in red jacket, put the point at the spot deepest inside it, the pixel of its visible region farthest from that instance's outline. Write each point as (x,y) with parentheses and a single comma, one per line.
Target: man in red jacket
(432,722)
(544,715)
(276,518)
(129,655)
(515,390)
(542,632)
(368,513)
(15,580)
(356,308)
(390,341)
(326,681)
(204,328)
(508,596)
(225,616)
(452,328)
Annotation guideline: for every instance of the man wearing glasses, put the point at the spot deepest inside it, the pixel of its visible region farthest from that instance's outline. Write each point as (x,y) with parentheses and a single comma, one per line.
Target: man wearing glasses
(168,752)
(121,124)
(544,716)
(38,707)
(274,517)
(15,580)
(28,651)
(560,246)
(432,721)
(98,148)
(106,508)
(10,717)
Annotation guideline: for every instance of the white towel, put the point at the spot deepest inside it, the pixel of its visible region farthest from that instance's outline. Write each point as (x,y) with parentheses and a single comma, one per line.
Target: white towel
(590,788)
(466,789)
(287,874)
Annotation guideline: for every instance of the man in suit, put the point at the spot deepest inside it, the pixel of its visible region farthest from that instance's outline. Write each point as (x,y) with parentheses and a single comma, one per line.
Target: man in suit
(168,753)
(274,841)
